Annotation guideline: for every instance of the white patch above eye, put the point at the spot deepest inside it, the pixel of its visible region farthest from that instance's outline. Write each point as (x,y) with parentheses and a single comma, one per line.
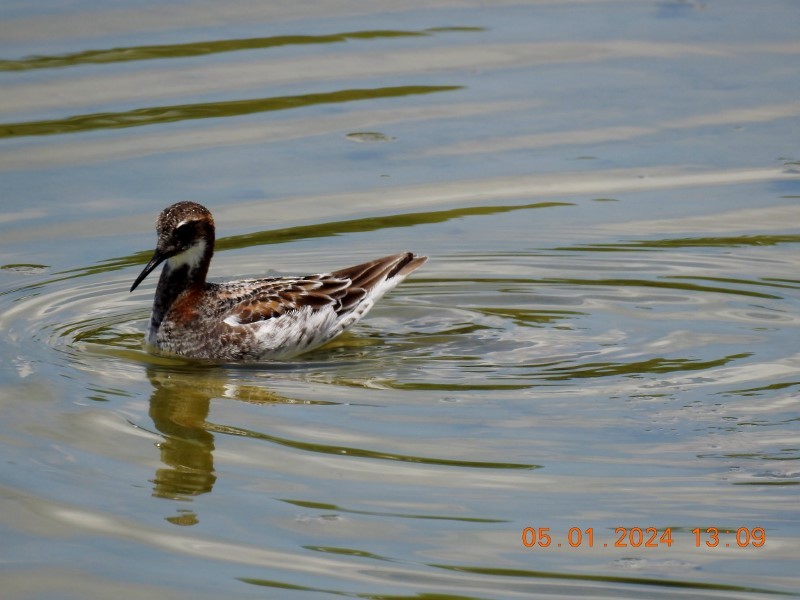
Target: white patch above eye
(192,256)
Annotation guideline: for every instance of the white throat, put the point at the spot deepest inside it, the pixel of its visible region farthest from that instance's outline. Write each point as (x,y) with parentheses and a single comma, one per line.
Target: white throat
(192,256)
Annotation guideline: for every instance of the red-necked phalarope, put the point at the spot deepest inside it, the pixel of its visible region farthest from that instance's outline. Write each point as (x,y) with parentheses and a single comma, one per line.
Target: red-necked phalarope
(252,319)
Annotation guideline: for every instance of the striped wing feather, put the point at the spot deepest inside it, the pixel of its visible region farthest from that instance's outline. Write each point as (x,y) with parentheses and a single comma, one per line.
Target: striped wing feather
(342,290)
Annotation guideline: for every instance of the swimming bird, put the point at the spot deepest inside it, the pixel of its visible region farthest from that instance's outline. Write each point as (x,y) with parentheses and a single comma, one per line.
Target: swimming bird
(252,319)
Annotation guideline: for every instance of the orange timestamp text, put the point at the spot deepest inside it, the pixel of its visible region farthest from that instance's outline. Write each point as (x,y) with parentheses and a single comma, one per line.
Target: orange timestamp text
(644,537)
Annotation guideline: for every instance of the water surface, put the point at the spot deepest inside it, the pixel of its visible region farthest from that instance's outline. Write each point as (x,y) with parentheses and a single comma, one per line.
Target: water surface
(605,335)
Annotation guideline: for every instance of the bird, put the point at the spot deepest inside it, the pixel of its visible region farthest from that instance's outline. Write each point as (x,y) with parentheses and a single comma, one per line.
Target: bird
(271,318)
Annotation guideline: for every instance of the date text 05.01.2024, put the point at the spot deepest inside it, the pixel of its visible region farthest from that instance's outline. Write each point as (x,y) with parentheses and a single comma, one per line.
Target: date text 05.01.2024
(648,537)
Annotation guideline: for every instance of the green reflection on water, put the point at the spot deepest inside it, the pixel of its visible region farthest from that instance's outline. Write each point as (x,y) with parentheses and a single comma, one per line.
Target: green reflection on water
(529,317)
(764,282)
(421,596)
(271,583)
(420,386)
(754,391)
(26,268)
(206,110)
(653,365)
(165,51)
(334,507)
(347,552)
(698,242)
(606,578)
(620,282)
(102,331)
(290,234)
(364,453)
(282,585)
(691,287)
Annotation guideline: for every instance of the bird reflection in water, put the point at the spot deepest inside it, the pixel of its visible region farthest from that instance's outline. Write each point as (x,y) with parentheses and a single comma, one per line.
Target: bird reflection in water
(179,408)
(179,412)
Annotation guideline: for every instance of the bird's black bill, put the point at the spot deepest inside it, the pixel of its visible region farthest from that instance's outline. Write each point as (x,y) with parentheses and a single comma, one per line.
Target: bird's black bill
(157,259)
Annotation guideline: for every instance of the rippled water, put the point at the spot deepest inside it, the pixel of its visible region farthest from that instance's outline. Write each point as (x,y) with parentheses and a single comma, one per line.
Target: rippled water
(605,335)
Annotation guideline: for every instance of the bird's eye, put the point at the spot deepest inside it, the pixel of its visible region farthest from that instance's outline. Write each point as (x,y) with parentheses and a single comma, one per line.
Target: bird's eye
(184,234)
